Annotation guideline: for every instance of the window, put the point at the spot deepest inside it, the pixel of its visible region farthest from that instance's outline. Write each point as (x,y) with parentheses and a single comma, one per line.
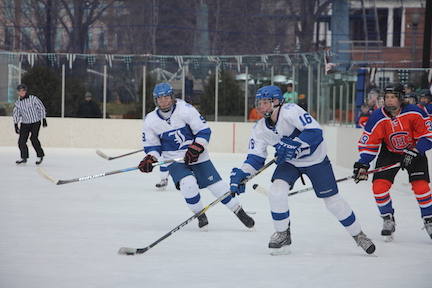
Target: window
(397,26)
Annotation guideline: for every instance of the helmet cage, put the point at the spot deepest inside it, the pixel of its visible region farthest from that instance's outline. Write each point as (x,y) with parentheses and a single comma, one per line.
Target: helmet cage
(161,90)
(270,93)
(424,93)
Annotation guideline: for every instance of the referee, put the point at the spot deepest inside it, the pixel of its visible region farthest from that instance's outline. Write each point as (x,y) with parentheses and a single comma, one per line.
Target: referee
(31,111)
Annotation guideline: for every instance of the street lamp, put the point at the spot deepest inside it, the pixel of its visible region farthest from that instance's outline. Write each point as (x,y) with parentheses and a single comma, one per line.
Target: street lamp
(415,19)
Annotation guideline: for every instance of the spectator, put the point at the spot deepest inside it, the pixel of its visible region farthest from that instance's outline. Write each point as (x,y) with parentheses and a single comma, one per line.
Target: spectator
(302,101)
(189,86)
(89,109)
(254,116)
(290,96)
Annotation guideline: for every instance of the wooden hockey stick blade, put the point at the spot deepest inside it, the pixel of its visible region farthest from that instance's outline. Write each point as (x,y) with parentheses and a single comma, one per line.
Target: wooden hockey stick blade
(135,251)
(261,190)
(103,155)
(55,181)
(47,176)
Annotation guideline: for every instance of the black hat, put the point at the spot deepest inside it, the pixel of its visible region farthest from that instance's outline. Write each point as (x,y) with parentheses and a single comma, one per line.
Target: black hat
(21,86)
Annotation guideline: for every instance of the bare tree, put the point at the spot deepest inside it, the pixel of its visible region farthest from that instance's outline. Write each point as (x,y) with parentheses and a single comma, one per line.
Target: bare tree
(308,12)
(78,16)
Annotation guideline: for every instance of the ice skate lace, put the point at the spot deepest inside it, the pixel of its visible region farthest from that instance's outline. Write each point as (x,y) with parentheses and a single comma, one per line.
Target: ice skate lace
(389,225)
(363,241)
(163,182)
(278,237)
(428,227)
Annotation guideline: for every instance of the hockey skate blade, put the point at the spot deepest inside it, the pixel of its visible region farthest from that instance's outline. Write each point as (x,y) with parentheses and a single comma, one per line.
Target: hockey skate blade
(388,238)
(284,250)
(204,228)
(127,251)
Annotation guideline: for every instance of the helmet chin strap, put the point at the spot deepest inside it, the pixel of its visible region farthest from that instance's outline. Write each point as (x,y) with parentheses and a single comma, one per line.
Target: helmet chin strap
(270,113)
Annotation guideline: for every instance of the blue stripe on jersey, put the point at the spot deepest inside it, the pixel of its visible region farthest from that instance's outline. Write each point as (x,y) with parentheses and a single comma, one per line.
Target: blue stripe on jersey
(348,221)
(205,133)
(366,158)
(153,148)
(255,161)
(312,136)
(423,145)
(280,216)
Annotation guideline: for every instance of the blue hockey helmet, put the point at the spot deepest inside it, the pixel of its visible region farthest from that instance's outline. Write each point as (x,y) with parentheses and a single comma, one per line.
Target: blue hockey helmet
(163,89)
(271,93)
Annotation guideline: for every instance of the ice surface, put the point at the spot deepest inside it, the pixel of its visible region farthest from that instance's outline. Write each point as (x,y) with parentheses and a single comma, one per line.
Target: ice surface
(68,235)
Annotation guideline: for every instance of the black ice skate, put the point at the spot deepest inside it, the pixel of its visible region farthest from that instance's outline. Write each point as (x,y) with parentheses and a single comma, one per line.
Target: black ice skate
(162,184)
(364,242)
(389,227)
(202,221)
(280,243)
(22,161)
(428,225)
(244,218)
(39,161)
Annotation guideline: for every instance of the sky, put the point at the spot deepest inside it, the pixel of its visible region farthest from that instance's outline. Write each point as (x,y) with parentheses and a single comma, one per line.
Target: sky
(68,235)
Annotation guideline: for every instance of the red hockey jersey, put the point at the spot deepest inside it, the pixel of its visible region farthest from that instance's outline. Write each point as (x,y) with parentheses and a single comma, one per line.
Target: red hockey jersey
(398,133)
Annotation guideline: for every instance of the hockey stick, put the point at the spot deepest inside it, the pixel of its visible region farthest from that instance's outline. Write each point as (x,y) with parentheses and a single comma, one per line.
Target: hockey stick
(103,155)
(56,181)
(264,192)
(134,251)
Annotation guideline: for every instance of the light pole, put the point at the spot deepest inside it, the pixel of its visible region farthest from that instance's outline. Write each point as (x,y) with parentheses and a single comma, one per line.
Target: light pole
(415,19)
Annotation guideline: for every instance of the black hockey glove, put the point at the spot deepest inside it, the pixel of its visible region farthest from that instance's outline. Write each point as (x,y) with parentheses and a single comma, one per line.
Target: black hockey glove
(17,130)
(408,158)
(44,123)
(146,165)
(193,152)
(360,168)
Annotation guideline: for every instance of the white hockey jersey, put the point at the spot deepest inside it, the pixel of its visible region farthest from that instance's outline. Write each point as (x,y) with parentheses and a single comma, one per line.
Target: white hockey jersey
(292,122)
(171,137)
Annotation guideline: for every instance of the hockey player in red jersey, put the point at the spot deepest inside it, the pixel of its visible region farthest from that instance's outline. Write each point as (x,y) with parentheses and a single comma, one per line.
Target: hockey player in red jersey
(425,101)
(404,133)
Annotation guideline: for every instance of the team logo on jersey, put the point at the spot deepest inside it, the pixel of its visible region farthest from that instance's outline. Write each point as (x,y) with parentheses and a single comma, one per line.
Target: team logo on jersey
(179,138)
(400,140)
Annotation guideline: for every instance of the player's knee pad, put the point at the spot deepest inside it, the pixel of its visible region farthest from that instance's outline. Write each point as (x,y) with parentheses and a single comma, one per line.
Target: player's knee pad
(278,191)
(338,206)
(189,187)
(380,186)
(420,187)
(219,188)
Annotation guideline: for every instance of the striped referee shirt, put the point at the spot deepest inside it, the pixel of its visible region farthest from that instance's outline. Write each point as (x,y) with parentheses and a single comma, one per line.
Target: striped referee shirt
(30,109)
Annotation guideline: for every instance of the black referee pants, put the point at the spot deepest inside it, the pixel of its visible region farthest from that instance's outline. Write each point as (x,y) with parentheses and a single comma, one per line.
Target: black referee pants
(25,131)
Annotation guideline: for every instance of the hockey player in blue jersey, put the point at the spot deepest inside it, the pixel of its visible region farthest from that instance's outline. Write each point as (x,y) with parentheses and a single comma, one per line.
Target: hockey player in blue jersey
(300,149)
(175,129)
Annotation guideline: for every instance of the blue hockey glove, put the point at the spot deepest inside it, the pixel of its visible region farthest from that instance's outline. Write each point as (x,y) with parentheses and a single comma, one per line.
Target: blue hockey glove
(408,158)
(237,176)
(286,150)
